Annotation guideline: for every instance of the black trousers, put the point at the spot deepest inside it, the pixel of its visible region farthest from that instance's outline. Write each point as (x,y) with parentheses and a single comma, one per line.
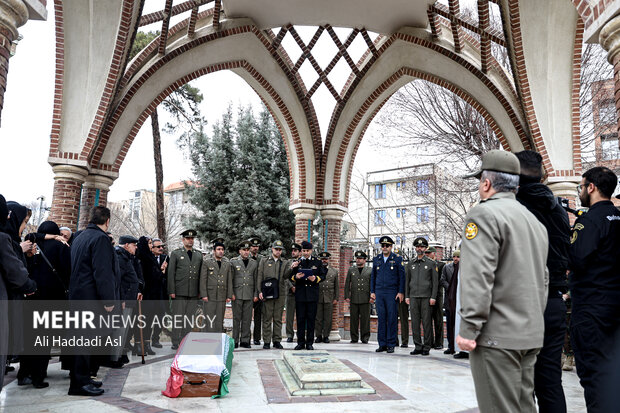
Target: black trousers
(258,320)
(306,315)
(595,331)
(548,367)
(450,325)
(34,367)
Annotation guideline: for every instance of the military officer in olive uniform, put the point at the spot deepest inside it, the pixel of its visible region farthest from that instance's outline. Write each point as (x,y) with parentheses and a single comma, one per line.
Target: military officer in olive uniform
(290,296)
(357,294)
(183,276)
(328,298)
(421,289)
(216,288)
(437,309)
(273,268)
(258,305)
(245,272)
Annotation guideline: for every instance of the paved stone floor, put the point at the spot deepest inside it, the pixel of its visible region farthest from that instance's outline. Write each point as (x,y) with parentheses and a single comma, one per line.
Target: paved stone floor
(436,383)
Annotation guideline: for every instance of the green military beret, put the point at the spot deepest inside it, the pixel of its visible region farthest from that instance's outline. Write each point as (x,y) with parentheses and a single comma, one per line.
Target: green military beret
(456,253)
(431,249)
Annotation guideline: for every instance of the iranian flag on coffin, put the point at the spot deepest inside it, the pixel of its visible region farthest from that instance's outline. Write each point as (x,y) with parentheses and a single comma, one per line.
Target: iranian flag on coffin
(199,371)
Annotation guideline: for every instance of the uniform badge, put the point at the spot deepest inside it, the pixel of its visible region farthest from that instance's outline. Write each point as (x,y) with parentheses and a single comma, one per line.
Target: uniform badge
(574,237)
(579,227)
(471,230)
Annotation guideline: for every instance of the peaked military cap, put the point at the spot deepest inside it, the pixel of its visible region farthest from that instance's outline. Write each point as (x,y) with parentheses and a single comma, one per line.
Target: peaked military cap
(127,239)
(420,242)
(431,249)
(189,233)
(305,245)
(498,161)
(244,244)
(324,255)
(360,254)
(456,253)
(386,240)
(277,244)
(296,246)
(255,241)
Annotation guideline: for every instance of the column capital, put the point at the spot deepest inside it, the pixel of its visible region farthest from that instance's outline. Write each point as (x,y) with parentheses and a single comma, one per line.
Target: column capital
(333,214)
(565,188)
(98,182)
(13,14)
(304,213)
(72,172)
(609,38)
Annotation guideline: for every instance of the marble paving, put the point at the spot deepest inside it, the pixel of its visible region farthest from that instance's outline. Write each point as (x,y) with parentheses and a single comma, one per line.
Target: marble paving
(435,383)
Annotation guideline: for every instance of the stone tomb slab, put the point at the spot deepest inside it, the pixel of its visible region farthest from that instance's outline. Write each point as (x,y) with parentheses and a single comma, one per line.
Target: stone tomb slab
(317,373)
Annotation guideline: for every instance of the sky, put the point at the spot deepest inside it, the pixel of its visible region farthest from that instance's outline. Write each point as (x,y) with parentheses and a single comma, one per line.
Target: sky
(26,120)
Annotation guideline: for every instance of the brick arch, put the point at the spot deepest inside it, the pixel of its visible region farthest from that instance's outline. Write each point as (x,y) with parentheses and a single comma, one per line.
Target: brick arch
(380,96)
(280,108)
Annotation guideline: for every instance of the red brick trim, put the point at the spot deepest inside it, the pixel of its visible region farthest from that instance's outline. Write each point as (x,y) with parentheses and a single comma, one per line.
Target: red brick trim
(589,10)
(576,108)
(522,83)
(117,65)
(59,80)
(379,95)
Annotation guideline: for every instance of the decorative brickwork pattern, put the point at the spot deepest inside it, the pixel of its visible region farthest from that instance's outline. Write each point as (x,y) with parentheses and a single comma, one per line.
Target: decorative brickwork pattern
(66,205)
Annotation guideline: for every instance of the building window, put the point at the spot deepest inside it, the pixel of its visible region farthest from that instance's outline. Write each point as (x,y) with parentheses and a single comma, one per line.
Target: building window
(400,212)
(377,240)
(422,214)
(426,237)
(380,217)
(607,112)
(397,212)
(609,147)
(400,185)
(422,186)
(380,191)
(401,240)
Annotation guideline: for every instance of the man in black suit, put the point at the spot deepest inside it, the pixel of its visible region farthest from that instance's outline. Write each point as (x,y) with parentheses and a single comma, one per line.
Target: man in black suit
(306,274)
(162,260)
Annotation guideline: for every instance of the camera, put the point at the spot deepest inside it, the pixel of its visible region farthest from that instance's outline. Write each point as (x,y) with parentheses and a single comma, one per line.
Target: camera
(564,203)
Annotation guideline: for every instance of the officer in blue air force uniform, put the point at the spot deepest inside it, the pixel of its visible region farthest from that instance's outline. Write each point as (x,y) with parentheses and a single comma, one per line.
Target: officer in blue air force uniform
(387,287)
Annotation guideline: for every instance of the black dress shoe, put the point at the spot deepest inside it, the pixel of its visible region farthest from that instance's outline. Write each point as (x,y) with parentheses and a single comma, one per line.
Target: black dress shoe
(8,369)
(300,346)
(266,346)
(87,390)
(124,359)
(319,339)
(415,352)
(326,340)
(438,347)
(41,385)
(390,349)
(257,342)
(461,355)
(426,353)
(156,344)
(96,383)
(381,348)
(276,344)
(174,347)
(353,341)
(364,341)
(245,345)
(24,381)
(289,340)
(309,347)
(404,345)
(448,351)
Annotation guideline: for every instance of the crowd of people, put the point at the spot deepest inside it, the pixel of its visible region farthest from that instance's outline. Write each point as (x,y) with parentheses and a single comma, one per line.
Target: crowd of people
(503,293)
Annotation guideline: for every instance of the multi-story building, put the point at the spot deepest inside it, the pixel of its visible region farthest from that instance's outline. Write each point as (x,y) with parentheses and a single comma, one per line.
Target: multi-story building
(415,201)
(137,215)
(605,126)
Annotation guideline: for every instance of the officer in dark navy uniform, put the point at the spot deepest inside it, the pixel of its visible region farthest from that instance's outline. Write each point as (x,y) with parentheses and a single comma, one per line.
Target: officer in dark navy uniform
(306,294)
(387,287)
(595,290)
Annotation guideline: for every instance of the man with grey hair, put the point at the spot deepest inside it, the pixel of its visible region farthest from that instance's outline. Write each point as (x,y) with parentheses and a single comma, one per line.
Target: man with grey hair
(503,285)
